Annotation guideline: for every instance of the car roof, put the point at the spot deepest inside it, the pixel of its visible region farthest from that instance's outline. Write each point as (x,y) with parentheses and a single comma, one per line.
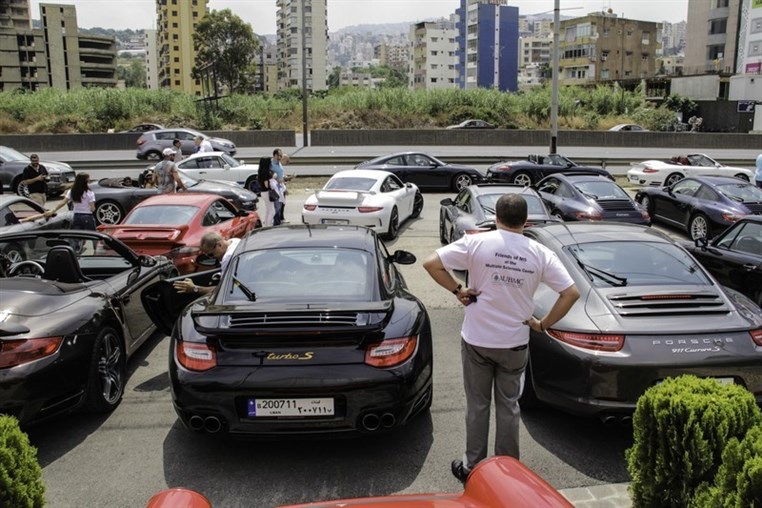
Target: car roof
(181,198)
(310,236)
(581,177)
(482,189)
(570,233)
(202,154)
(717,180)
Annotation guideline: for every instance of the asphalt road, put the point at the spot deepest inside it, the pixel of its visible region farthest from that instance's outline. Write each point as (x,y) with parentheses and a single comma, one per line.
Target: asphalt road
(121,459)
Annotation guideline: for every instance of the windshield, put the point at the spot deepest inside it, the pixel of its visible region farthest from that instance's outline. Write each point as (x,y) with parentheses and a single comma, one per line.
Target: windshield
(741,191)
(629,263)
(9,154)
(601,190)
(161,214)
(350,183)
(303,275)
(229,160)
(534,204)
(187,180)
(701,161)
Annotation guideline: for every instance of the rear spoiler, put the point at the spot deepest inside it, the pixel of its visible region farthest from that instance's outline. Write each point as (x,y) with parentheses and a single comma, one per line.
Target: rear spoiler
(144,234)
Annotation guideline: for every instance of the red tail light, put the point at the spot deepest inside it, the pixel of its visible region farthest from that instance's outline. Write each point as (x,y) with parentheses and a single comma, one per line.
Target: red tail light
(594,341)
(732,217)
(17,352)
(649,170)
(588,215)
(756,336)
(196,356)
(390,352)
(310,208)
(369,209)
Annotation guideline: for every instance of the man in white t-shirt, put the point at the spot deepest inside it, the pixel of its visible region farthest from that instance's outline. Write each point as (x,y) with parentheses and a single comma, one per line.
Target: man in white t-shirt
(212,244)
(504,269)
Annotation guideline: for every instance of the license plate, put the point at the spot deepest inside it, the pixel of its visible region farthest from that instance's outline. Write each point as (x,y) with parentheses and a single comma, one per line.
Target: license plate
(258,408)
(334,221)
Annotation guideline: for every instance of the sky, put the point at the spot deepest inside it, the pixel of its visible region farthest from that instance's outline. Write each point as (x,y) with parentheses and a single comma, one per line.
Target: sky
(141,14)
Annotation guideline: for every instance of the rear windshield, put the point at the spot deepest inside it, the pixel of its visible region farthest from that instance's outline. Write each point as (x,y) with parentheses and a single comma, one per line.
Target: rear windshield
(315,274)
(601,190)
(350,183)
(741,191)
(534,204)
(636,264)
(161,214)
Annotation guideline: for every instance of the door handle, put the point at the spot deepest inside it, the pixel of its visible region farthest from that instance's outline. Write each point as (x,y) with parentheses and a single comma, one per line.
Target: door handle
(749,267)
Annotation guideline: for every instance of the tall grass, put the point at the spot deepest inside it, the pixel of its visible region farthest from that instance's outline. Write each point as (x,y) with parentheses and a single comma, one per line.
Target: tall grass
(97,109)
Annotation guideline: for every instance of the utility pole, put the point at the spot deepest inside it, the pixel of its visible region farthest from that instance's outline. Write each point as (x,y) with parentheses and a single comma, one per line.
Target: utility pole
(554,97)
(305,137)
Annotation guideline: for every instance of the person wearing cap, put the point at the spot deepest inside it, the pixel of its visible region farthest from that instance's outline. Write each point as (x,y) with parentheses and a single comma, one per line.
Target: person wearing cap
(166,178)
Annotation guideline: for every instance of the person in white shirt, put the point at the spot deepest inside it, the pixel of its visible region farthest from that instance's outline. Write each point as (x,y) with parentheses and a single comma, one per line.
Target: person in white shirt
(504,269)
(83,202)
(203,145)
(212,244)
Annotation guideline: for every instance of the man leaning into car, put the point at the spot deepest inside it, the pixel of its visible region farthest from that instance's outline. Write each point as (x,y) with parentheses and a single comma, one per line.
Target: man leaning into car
(504,269)
(213,245)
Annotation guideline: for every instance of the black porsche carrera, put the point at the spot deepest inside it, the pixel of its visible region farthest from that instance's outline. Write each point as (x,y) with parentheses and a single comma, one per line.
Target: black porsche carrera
(537,167)
(311,330)
(70,318)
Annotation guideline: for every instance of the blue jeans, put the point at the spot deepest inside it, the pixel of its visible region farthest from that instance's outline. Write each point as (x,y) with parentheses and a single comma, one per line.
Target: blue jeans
(278,213)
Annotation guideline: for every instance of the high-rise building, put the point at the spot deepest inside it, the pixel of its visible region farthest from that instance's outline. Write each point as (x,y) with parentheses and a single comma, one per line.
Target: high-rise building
(392,55)
(433,55)
(56,55)
(292,16)
(604,47)
(15,14)
(712,36)
(151,59)
(176,22)
(488,34)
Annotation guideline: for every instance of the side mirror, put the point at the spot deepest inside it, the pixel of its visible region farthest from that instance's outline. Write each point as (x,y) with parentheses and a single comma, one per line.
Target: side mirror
(226,167)
(402,257)
(446,202)
(409,185)
(701,242)
(147,260)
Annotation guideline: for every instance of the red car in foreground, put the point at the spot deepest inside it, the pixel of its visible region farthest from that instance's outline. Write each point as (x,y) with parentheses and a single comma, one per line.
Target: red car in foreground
(498,482)
(172,225)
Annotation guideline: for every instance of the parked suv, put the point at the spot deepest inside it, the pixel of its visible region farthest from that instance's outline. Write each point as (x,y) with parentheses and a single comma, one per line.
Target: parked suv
(152,143)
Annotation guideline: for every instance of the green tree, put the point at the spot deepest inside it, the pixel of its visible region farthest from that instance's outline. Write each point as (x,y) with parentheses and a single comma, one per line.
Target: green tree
(224,40)
(334,79)
(134,74)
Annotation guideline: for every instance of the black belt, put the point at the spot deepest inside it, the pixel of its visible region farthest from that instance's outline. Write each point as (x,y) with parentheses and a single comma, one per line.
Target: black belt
(519,348)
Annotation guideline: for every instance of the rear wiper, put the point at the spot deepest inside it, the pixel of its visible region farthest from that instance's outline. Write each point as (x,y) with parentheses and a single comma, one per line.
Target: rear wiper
(245,290)
(609,278)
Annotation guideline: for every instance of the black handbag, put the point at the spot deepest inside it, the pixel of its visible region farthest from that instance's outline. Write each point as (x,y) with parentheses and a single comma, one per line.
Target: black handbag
(272,194)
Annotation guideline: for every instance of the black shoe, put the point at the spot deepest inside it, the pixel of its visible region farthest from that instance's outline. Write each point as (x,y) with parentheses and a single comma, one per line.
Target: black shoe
(459,471)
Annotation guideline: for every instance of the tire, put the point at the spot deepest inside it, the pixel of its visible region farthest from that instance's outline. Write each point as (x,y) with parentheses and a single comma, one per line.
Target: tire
(698,226)
(253,185)
(528,399)
(742,176)
(108,374)
(417,205)
(394,225)
(18,189)
(15,252)
(108,212)
(522,178)
(461,181)
(442,236)
(673,179)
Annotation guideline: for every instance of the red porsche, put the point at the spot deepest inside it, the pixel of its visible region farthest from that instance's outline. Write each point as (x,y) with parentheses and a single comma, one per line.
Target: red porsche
(172,225)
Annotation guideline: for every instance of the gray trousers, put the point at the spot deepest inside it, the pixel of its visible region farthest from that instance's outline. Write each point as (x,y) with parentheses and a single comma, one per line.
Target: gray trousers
(485,369)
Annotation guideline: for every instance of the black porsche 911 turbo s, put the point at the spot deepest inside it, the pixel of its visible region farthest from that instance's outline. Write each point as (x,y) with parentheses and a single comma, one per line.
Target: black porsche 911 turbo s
(311,330)
(69,320)
(647,311)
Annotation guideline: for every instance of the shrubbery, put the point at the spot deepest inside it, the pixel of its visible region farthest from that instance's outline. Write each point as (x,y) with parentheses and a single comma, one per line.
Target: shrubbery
(681,429)
(21,483)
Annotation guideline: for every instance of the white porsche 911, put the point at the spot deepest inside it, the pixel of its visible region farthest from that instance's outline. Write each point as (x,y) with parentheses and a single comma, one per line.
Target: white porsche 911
(665,173)
(363,197)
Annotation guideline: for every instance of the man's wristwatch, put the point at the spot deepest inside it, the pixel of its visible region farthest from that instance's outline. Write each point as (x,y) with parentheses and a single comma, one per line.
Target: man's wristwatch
(195,289)
(457,289)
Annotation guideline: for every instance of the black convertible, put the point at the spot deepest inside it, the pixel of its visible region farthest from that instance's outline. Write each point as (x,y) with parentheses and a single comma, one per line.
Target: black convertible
(537,167)
(311,330)
(71,317)
(114,197)
(426,171)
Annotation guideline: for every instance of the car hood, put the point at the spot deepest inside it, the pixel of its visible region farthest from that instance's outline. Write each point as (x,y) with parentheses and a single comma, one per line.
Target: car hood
(57,167)
(221,141)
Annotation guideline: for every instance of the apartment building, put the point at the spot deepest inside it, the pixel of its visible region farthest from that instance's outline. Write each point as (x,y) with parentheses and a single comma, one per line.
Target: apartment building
(291,16)
(395,56)
(15,14)
(176,22)
(56,55)
(267,67)
(604,47)
(150,44)
(432,56)
(488,34)
(712,36)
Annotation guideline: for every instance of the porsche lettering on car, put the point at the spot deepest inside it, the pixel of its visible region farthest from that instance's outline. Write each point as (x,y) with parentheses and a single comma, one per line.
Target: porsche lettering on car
(311,330)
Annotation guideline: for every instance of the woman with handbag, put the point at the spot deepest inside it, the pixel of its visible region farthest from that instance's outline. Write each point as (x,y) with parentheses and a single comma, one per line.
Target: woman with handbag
(265,179)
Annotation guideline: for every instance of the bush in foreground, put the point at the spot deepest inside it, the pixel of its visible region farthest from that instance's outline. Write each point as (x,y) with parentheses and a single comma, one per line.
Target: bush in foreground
(21,483)
(681,428)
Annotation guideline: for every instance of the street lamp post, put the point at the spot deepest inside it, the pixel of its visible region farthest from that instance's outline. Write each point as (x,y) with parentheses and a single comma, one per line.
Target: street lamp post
(305,138)
(554,97)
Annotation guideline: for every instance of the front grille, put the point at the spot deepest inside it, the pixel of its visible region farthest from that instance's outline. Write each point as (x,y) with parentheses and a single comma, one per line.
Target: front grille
(616,205)
(668,304)
(281,320)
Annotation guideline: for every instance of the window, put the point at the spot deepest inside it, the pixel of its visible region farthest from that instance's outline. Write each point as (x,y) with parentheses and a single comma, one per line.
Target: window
(604,74)
(645,38)
(718,26)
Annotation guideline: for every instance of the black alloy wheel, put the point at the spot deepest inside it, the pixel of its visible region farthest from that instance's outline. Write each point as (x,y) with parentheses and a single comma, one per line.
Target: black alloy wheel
(461,181)
(394,225)
(417,205)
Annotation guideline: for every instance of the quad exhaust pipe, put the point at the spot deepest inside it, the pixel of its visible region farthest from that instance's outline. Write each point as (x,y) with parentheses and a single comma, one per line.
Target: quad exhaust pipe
(372,421)
(610,419)
(211,424)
